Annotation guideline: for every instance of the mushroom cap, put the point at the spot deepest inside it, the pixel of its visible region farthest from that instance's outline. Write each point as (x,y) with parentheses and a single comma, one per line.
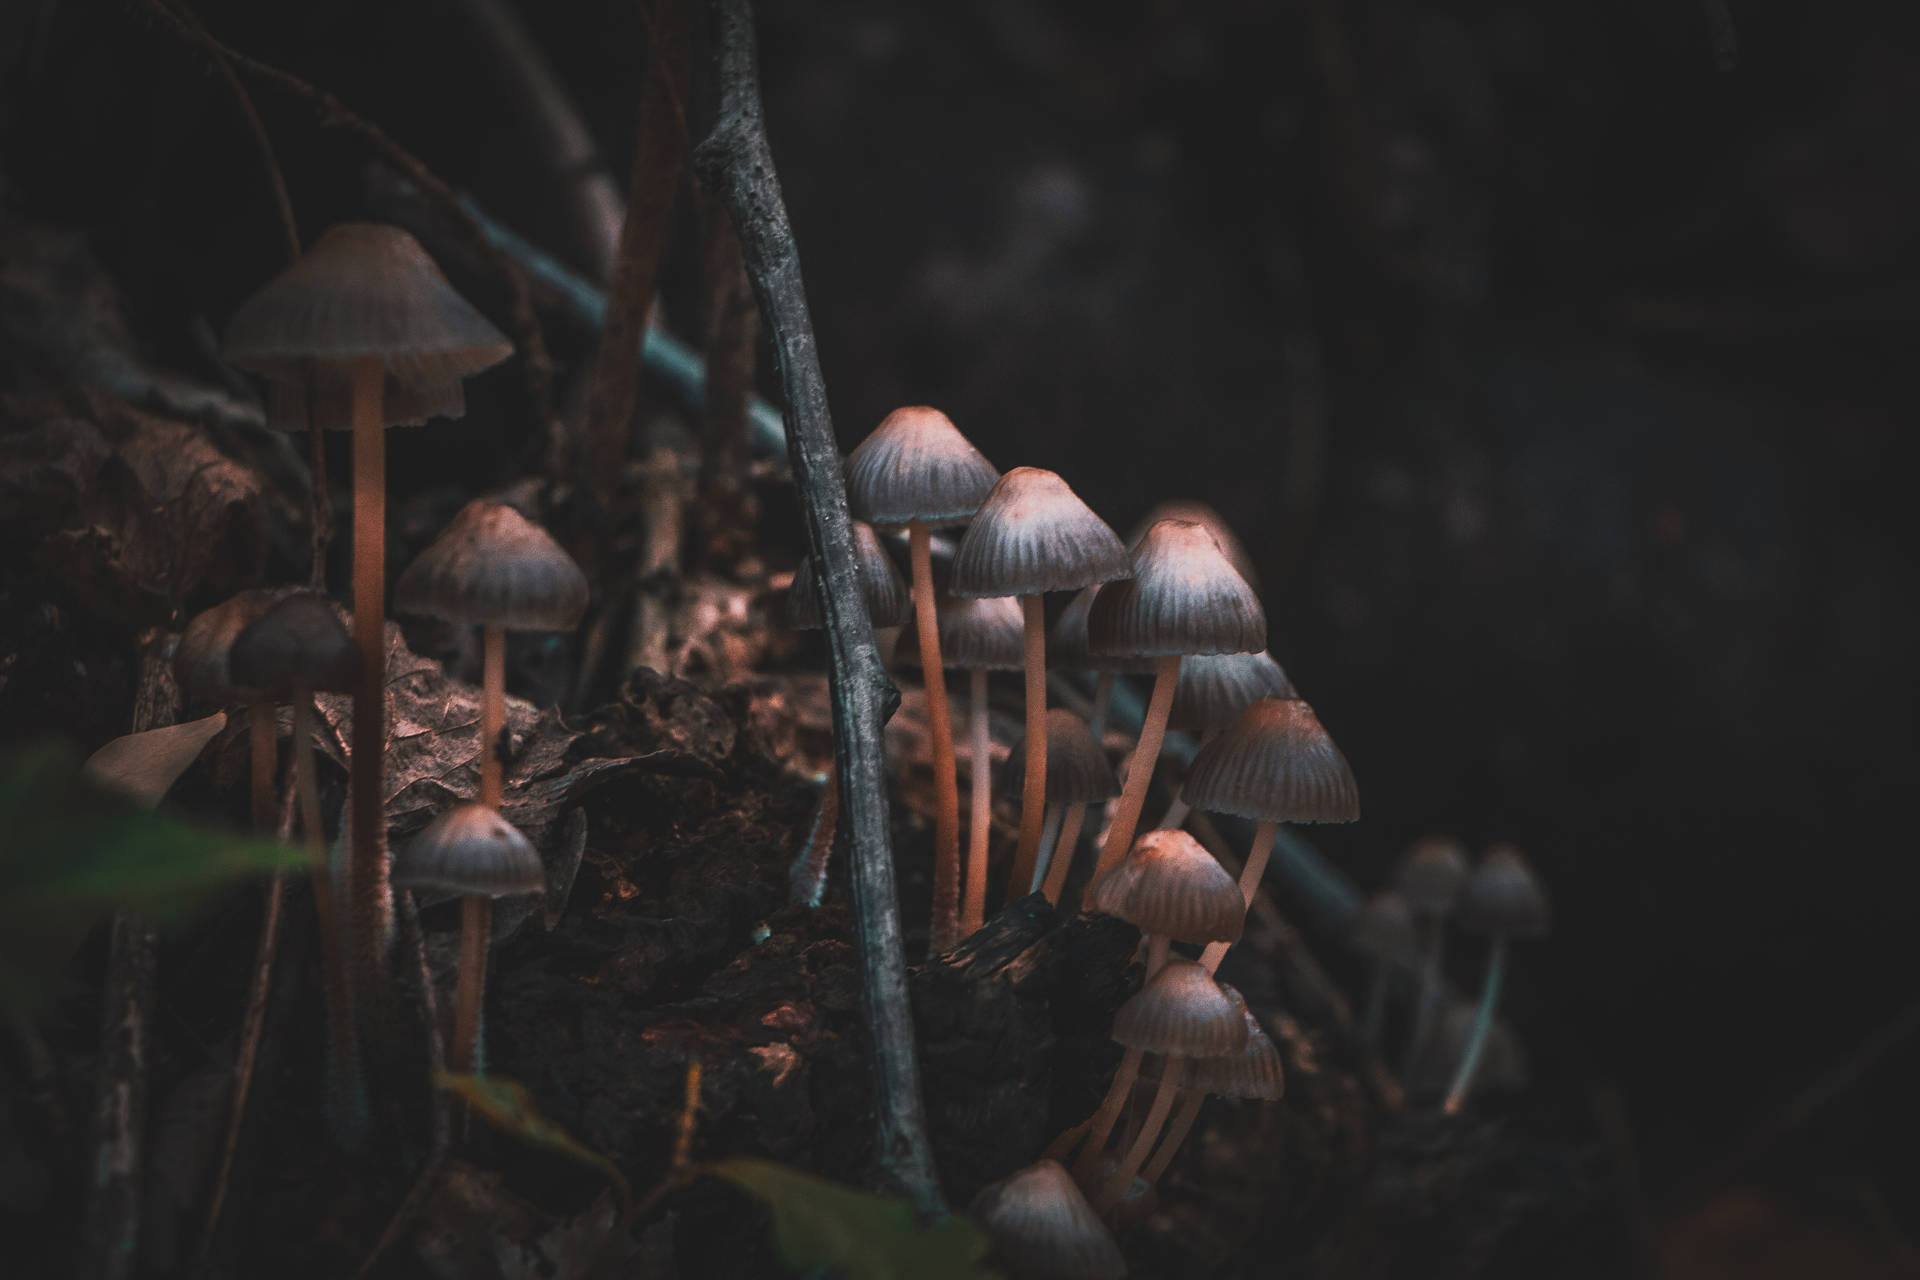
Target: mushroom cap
(331,404)
(1183,1011)
(917,466)
(987,632)
(1274,764)
(202,658)
(1184,597)
(471,850)
(1214,688)
(1168,884)
(889,603)
(1503,896)
(493,566)
(1432,875)
(1383,927)
(1255,1072)
(1034,535)
(1042,1226)
(363,289)
(299,641)
(1077,769)
(1200,513)
(1067,645)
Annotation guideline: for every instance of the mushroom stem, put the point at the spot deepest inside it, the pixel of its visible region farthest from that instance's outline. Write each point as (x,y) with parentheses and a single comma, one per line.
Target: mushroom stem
(1176,815)
(1159,947)
(1490,988)
(973,911)
(370,899)
(1176,1135)
(1116,1184)
(946,787)
(1133,797)
(261,744)
(1065,845)
(1049,845)
(493,710)
(808,879)
(476,929)
(1256,865)
(1429,996)
(333,968)
(1374,1021)
(1102,699)
(1103,1120)
(1033,800)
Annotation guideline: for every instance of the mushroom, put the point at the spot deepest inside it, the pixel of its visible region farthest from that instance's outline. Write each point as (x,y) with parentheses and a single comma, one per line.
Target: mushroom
(917,470)
(1275,764)
(1033,535)
(1214,689)
(1042,1227)
(1254,1073)
(494,567)
(1078,775)
(367,316)
(472,851)
(1504,901)
(978,635)
(1174,891)
(1184,597)
(1383,931)
(202,664)
(1430,878)
(1204,514)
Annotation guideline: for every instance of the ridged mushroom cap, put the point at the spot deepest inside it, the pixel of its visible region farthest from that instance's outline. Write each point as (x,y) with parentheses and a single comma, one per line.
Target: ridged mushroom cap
(889,603)
(1196,512)
(470,849)
(1033,535)
(1168,884)
(1503,896)
(917,466)
(988,632)
(331,405)
(297,641)
(1184,597)
(1183,1011)
(1042,1227)
(1383,927)
(1432,875)
(1214,688)
(1255,1072)
(363,289)
(1067,642)
(1274,764)
(494,567)
(1077,769)
(202,659)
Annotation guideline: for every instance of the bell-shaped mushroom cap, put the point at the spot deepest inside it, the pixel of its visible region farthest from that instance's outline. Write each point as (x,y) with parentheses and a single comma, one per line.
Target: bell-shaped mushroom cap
(331,404)
(1067,645)
(1200,513)
(1181,1010)
(987,632)
(1043,1228)
(1168,884)
(1255,1072)
(889,603)
(1184,597)
(1214,688)
(1034,535)
(1077,769)
(493,566)
(297,642)
(1502,896)
(917,466)
(1274,764)
(364,289)
(202,659)
(470,849)
(1432,875)
(1383,927)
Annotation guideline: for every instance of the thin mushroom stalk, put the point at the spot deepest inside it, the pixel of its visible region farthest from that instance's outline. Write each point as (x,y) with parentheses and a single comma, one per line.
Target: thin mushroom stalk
(476,929)
(345,1050)
(493,710)
(1264,835)
(1136,1155)
(1049,845)
(1133,795)
(1428,1000)
(1064,846)
(1482,1030)
(946,786)
(1176,1135)
(369,897)
(980,803)
(1101,1125)
(1102,700)
(807,881)
(1033,799)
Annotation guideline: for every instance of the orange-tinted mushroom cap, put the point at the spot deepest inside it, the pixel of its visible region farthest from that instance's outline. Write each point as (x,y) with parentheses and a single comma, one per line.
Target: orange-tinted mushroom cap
(1033,535)
(1168,884)
(1214,688)
(1184,597)
(1503,896)
(470,849)
(299,641)
(1181,1010)
(1077,769)
(202,660)
(985,633)
(1042,1226)
(917,466)
(1200,513)
(493,566)
(1274,764)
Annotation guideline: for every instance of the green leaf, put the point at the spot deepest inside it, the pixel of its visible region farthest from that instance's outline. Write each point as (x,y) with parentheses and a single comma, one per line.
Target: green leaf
(863,1237)
(509,1106)
(74,851)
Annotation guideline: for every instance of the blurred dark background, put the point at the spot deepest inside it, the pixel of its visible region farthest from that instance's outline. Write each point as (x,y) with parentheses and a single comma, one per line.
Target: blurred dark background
(1558,377)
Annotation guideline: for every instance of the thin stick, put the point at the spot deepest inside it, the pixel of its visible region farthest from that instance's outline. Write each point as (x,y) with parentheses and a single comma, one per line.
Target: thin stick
(973,911)
(369,897)
(1065,846)
(1176,1135)
(1133,797)
(1136,1155)
(1033,800)
(1482,1028)
(1256,865)
(493,711)
(1102,1123)
(946,787)
(736,161)
(470,992)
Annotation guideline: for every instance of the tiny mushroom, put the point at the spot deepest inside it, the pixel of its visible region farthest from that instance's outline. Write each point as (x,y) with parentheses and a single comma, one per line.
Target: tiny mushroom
(1504,901)
(1078,774)
(1254,1073)
(1383,931)
(1214,689)
(1430,877)
(202,664)
(1042,1227)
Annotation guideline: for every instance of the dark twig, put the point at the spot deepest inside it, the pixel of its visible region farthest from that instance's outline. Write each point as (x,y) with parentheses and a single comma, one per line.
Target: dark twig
(734,160)
(723,505)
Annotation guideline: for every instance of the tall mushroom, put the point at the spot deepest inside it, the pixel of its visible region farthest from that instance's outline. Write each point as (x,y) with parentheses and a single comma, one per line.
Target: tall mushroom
(917,470)
(1078,774)
(1214,689)
(1504,901)
(1274,764)
(1185,597)
(1033,535)
(494,567)
(385,340)
(1042,1227)
(1253,1073)
(1430,877)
